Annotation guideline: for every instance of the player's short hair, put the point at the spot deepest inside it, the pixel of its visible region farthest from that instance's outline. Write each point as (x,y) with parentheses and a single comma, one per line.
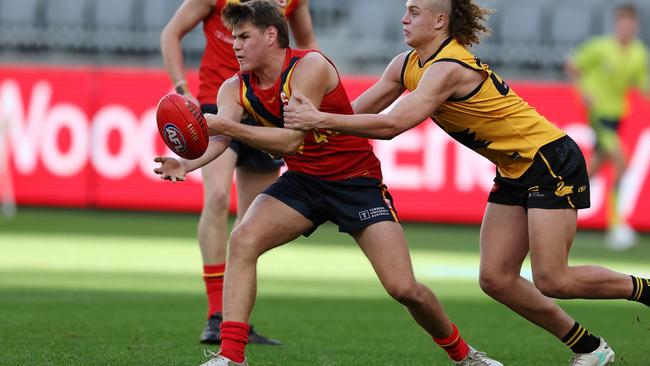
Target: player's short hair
(260,13)
(467,21)
(629,10)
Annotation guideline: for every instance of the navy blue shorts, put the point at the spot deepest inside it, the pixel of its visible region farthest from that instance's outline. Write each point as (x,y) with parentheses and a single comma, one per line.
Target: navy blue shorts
(556,179)
(352,204)
(247,156)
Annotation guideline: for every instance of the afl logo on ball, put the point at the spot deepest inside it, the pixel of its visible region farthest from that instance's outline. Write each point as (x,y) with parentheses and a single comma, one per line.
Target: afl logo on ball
(174,138)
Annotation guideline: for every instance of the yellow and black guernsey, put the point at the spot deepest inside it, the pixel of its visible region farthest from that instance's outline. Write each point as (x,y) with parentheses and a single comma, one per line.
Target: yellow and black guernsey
(492,119)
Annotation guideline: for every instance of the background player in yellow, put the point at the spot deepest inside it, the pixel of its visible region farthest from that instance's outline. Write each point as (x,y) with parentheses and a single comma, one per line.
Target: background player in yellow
(541,175)
(605,68)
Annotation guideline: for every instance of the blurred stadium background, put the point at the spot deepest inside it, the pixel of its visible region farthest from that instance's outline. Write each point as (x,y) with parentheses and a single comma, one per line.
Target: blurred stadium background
(100,265)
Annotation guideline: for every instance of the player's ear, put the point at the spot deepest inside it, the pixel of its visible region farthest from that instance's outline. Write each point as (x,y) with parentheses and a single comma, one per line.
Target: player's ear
(441,20)
(271,34)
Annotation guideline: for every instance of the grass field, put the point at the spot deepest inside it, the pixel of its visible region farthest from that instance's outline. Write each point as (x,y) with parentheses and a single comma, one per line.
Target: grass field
(116,288)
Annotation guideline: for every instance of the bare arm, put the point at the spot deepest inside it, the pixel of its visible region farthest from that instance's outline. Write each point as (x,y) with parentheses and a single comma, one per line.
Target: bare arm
(271,140)
(438,83)
(301,26)
(385,91)
(188,16)
(312,77)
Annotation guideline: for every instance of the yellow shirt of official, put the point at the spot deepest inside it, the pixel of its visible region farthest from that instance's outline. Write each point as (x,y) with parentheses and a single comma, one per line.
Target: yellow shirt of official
(491,120)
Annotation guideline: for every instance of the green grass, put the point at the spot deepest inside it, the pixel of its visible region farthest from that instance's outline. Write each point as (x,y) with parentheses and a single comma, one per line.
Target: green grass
(118,288)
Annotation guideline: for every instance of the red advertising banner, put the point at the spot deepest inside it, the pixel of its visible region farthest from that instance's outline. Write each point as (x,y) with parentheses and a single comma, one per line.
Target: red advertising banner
(86,137)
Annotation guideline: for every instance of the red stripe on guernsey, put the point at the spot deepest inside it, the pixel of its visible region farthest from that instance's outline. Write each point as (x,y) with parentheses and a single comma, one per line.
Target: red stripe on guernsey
(218,62)
(324,154)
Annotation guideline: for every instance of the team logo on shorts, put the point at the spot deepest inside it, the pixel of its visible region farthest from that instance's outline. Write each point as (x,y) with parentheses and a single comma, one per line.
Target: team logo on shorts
(563,190)
(174,138)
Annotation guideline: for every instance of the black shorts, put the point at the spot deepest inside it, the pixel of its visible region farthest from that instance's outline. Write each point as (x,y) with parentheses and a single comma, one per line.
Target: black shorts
(247,156)
(352,204)
(556,179)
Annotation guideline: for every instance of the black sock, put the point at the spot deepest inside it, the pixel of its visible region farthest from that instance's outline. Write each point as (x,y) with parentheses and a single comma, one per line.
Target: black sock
(640,290)
(580,340)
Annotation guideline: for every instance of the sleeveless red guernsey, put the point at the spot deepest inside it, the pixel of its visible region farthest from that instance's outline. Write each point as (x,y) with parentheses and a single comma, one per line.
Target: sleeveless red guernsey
(324,154)
(218,62)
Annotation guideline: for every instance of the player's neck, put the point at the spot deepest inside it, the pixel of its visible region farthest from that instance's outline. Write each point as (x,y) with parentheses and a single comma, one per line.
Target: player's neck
(269,73)
(426,50)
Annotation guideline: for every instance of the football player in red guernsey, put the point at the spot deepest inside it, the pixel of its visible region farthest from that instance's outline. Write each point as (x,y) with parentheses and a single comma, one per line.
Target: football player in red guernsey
(330,177)
(255,170)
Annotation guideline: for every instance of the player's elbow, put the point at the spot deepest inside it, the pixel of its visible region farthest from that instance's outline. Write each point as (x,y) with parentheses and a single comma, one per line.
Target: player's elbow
(390,129)
(168,36)
(291,147)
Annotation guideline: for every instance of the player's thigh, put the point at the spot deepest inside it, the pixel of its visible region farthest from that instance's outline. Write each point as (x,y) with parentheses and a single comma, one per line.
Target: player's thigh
(385,246)
(503,239)
(217,177)
(551,234)
(268,223)
(250,183)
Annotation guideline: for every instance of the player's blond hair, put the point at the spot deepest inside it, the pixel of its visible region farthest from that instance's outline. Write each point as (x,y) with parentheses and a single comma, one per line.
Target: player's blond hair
(466,21)
(260,13)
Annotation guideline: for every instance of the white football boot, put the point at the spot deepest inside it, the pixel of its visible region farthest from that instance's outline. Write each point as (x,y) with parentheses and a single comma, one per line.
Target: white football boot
(476,358)
(621,237)
(603,355)
(218,360)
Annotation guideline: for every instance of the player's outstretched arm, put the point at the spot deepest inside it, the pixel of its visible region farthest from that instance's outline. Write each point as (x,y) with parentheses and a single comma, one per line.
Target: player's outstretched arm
(188,16)
(439,82)
(228,109)
(385,91)
(301,26)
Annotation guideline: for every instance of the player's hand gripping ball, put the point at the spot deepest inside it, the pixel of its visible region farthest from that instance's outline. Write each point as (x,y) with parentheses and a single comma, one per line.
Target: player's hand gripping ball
(182,126)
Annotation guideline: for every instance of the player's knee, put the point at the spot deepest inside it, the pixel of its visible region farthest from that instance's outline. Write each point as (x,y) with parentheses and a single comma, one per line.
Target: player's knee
(242,245)
(216,201)
(407,293)
(494,284)
(551,285)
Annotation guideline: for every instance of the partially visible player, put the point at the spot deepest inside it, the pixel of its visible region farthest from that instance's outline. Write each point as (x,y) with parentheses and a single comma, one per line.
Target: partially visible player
(7,197)
(605,69)
(541,178)
(254,169)
(330,177)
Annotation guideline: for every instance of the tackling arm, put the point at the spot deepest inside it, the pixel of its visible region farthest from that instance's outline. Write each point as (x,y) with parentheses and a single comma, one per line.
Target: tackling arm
(439,82)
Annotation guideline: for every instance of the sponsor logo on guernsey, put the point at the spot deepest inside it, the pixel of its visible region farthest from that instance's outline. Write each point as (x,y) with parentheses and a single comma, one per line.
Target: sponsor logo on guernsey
(284,98)
(174,138)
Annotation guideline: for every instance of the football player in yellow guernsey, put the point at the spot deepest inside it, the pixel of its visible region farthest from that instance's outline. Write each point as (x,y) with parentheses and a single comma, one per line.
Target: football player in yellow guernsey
(541,178)
(605,68)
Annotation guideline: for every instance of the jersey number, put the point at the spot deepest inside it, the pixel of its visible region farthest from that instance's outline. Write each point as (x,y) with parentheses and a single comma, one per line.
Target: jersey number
(321,137)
